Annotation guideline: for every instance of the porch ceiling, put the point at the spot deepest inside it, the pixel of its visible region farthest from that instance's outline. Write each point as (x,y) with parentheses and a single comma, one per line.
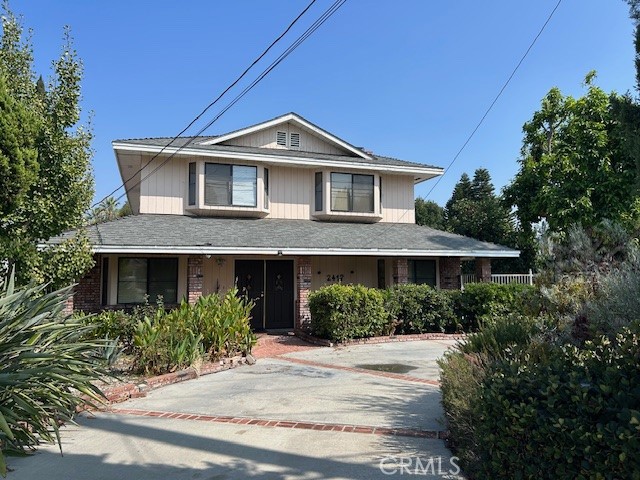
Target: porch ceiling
(178,234)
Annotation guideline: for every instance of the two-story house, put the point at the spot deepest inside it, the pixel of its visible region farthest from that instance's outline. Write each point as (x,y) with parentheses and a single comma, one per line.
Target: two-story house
(280,209)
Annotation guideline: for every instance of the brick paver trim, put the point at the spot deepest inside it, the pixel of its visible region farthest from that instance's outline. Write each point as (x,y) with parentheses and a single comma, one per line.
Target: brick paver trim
(325,427)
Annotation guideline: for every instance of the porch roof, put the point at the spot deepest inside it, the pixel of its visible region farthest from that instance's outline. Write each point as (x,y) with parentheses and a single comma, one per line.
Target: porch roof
(179,234)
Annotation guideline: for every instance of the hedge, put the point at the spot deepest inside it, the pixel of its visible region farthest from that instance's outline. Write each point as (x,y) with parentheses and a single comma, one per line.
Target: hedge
(420,308)
(341,312)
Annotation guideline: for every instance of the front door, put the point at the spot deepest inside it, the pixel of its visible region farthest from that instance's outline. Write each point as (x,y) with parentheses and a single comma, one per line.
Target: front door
(250,278)
(279,293)
(270,285)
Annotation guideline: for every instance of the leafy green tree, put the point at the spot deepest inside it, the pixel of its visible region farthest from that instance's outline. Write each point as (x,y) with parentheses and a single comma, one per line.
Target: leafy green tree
(430,214)
(579,162)
(634,13)
(55,190)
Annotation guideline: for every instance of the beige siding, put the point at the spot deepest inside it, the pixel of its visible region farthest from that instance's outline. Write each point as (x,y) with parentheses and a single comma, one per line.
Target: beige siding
(218,274)
(291,192)
(267,139)
(164,190)
(397,199)
(355,270)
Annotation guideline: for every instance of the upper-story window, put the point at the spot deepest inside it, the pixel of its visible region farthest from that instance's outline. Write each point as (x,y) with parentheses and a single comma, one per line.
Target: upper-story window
(230,185)
(351,192)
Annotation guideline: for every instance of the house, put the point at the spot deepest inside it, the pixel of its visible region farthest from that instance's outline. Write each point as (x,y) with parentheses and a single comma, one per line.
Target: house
(281,208)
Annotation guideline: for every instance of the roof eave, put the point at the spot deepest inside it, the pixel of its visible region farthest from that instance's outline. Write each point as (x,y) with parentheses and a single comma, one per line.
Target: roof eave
(422,173)
(291,251)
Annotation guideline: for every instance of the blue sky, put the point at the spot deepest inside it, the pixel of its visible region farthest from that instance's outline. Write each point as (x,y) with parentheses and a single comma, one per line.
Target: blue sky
(404,78)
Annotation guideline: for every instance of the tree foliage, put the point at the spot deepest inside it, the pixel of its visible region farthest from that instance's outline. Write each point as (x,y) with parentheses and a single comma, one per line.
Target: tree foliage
(45,154)
(476,211)
(430,214)
(579,161)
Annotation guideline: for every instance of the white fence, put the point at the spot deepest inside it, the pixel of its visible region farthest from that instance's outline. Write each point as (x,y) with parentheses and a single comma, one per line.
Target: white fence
(500,278)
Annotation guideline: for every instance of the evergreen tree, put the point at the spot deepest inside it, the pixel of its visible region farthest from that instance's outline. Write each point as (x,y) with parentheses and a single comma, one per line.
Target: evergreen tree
(430,214)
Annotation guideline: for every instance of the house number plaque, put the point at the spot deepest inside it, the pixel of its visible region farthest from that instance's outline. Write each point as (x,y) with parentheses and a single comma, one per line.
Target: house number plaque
(335,278)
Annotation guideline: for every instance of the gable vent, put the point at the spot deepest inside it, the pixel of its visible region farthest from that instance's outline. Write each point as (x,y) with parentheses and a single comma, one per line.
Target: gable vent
(281,139)
(295,140)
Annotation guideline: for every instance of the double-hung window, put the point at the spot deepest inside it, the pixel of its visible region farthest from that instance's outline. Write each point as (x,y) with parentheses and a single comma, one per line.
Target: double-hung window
(138,277)
(351,192)
(230,185)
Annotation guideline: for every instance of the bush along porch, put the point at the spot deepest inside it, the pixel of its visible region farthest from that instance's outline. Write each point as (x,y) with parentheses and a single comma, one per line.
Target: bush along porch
(345,312)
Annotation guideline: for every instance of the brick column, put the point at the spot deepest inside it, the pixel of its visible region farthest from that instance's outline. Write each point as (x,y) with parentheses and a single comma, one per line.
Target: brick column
(303,315)
(194,278)
(400,271)
(68,306)
(483,269)
(450,273)
(86,293)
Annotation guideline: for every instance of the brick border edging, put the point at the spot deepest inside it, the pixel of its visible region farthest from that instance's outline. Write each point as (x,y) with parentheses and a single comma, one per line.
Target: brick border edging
(123,392)
(304,425)
(375,340)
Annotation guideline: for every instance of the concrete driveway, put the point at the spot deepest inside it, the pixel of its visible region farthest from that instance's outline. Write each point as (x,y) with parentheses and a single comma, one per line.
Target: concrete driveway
(318,413)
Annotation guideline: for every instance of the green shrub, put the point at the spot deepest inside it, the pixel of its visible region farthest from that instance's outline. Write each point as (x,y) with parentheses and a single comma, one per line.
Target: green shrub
(462,371)
(114,325)
(496,339)
(460,378)
(569,413)
(213,327)
(45,362)
(420,308)
(481,302)
(342,312)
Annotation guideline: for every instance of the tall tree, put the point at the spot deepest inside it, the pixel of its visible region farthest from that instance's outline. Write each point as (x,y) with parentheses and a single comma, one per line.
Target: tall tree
(58,188)
(579,162)
(474,210)
(430,214)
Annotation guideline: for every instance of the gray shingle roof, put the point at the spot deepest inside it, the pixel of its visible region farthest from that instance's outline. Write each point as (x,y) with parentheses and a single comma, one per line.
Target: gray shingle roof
(166,233)
(195,145)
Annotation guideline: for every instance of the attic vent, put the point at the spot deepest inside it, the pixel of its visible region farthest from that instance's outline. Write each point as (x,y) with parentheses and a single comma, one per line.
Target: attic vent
(295,140)
(281,139)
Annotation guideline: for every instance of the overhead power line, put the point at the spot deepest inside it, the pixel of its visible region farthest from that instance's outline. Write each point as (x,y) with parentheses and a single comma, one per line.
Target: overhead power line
(304,36)
(224,92)
(495,100)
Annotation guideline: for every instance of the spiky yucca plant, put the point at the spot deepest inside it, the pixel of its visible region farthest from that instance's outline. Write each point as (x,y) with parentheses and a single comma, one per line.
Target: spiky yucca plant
(46,364)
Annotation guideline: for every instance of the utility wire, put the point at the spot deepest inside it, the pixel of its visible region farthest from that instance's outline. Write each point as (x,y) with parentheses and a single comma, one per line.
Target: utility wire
(233,84)
(317,24)
(495,100)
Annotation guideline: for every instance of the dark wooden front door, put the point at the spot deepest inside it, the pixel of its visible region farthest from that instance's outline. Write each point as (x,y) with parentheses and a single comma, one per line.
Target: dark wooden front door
(270,285)
(250,278)
(279,294)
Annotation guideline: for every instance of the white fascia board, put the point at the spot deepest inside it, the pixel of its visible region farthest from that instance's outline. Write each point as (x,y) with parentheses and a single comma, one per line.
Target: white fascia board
(288,118)
(278,159)
(129,249)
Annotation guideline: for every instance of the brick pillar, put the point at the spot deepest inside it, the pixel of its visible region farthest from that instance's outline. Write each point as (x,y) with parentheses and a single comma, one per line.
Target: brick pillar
(400,271)
(303,315)
(194,278)
(483,269)
(86,293)
(450,273)
(68,306)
